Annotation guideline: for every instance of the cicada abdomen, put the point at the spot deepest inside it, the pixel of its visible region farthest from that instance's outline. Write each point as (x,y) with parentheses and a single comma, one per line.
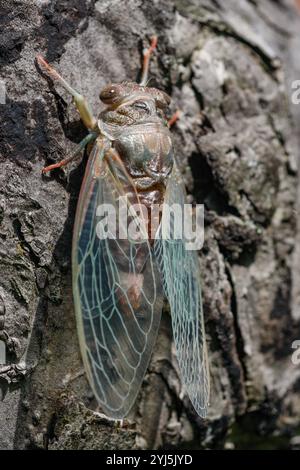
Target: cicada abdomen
(120,277)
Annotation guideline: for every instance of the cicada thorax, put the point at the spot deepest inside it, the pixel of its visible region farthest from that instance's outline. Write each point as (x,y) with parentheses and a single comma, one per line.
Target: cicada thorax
(147,153)
(136,126)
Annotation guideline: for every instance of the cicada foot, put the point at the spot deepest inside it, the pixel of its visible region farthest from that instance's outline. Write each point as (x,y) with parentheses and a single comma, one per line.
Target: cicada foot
(124,424)
(76,154)
(146,60)
(81,104)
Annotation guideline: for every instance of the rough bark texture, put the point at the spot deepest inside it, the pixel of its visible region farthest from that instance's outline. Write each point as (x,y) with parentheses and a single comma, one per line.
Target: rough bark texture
(228,66)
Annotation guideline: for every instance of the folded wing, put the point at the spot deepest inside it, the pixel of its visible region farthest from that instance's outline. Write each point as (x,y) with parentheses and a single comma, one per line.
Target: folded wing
(117,293)
(181,280)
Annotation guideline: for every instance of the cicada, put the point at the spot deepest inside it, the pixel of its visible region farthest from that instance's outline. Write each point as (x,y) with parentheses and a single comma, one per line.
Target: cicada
(119,284)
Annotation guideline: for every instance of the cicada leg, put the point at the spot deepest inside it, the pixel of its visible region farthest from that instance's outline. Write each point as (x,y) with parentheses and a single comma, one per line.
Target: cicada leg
(146,60)
(89,138)
(174,118)
(118,423)
(82,105)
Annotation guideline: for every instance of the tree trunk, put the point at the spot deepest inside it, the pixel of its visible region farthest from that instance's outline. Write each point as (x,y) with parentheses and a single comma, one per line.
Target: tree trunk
(228,67)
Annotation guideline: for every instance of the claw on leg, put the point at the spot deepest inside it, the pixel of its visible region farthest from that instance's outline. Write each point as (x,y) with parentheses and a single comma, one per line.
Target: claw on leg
(147,54)
(83,108)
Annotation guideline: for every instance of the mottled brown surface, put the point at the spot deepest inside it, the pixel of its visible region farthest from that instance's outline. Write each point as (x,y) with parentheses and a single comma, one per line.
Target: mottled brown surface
(228,67)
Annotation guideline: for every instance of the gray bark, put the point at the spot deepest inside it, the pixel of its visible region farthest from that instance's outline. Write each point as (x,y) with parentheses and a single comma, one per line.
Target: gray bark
(228,66)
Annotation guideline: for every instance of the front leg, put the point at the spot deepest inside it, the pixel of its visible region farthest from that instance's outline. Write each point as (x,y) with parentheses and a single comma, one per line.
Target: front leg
(82,105)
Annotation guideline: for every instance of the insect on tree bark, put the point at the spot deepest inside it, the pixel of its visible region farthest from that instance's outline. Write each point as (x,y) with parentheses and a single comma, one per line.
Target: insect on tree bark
(119,283)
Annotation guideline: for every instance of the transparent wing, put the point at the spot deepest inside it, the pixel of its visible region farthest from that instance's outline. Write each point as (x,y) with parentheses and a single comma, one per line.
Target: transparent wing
(117,294)
(181,280)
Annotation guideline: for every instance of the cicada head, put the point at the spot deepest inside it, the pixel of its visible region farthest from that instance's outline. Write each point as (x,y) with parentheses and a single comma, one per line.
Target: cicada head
(118,93)
(129,103)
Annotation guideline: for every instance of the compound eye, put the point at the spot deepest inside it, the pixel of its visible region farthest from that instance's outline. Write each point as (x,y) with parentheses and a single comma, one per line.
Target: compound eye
(108,94)
(141,105)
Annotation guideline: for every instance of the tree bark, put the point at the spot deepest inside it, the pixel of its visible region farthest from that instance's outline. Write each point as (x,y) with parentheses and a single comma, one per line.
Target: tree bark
(228,67)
